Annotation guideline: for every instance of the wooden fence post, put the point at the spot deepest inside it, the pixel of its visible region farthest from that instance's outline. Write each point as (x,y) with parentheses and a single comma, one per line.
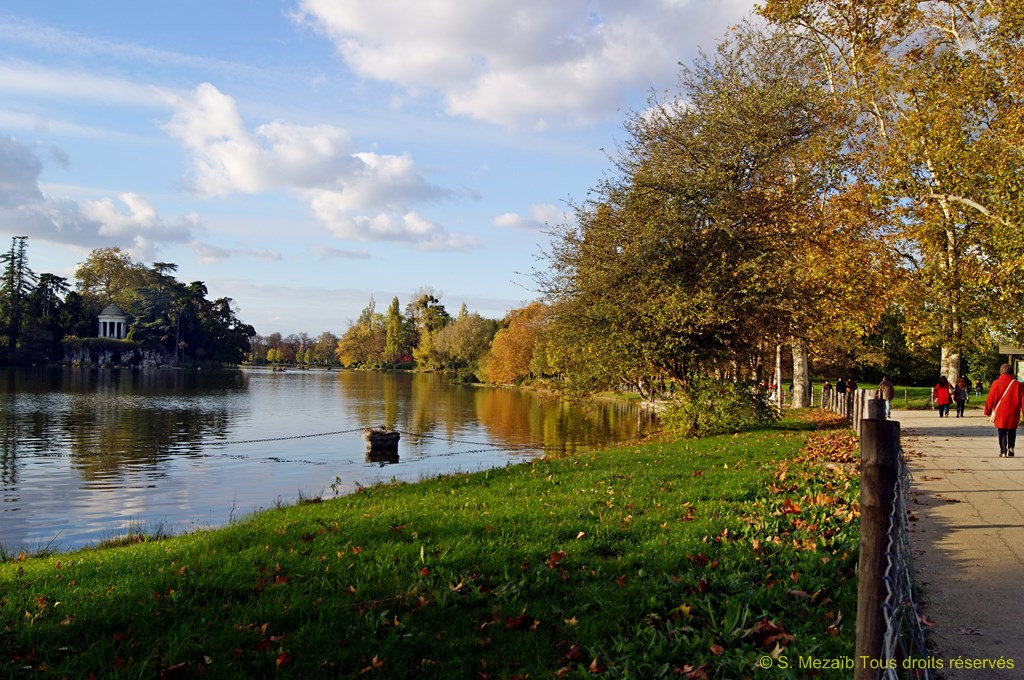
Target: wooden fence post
(879,448)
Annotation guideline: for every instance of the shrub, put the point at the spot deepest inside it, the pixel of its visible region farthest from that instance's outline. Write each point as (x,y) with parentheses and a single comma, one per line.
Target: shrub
(708,407)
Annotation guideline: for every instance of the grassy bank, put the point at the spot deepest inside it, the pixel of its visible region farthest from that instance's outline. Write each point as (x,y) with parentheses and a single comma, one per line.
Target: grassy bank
(690,559)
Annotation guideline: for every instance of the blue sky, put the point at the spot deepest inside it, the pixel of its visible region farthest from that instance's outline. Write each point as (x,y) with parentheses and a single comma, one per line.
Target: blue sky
(300,156)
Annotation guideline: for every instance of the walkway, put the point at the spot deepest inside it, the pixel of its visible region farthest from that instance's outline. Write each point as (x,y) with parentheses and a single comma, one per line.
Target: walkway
(968,538)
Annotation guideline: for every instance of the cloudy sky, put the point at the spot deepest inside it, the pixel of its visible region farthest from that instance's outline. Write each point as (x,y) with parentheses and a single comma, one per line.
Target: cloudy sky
(300,156)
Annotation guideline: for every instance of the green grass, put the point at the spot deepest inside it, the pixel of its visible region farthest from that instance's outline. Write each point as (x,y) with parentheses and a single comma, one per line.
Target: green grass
(661,559)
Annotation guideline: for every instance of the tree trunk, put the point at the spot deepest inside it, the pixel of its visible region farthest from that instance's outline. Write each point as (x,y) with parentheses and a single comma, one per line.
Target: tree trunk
(801,376)
(778,375)
(950,364)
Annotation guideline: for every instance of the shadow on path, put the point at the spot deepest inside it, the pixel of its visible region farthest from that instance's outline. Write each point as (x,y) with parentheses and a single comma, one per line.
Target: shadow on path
(967,524)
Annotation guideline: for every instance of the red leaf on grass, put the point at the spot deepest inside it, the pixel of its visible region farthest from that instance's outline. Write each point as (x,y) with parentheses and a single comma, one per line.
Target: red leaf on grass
(516,623)
(789,507)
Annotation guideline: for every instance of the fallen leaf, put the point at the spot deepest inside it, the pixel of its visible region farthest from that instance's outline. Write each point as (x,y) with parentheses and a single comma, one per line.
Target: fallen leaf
(555,558)
(515,623)
(374,665)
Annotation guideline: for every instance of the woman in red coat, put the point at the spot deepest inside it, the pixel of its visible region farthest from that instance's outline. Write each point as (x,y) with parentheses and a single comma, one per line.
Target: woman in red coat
(1004,400)
(942,397)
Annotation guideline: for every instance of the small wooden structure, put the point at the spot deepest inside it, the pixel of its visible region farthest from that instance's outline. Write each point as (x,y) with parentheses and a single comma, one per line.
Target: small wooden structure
(381,438)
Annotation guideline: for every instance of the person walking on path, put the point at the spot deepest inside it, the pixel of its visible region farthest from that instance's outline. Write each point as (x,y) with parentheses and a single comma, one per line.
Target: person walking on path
(967,535)
(886,392)
(942,396)
(1004,407)
(960,393)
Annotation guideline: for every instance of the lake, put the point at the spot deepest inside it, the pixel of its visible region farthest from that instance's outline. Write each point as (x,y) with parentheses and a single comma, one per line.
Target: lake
(90,454)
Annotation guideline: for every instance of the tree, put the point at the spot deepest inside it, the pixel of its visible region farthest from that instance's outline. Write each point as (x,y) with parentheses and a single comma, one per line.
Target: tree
(685,262)
(398,335)
(363,343)
(110,275)
(519,347)
(427,316)
(44,316)
(462,343)
(214,332)
(155,306)
(323,350)
(15,289)
(937,86)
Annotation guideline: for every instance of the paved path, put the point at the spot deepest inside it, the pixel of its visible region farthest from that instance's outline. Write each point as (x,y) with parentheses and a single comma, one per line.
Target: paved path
(968,540)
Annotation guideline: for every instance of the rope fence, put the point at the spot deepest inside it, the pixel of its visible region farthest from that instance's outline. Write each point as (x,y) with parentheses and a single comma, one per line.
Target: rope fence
(890,634)
(904,631)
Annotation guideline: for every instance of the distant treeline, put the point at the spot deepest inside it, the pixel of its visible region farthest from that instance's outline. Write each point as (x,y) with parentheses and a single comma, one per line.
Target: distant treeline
(42,315)
(423,335)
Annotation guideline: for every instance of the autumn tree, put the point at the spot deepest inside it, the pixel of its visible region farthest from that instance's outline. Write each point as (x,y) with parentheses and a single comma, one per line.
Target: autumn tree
(110,275)
(685,261)
(322,352)
(519,348)
(462,343)
(938,91)
(427,316)
(363,343)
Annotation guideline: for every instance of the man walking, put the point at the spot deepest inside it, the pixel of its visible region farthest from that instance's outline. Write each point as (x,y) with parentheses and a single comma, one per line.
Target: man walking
(886,392)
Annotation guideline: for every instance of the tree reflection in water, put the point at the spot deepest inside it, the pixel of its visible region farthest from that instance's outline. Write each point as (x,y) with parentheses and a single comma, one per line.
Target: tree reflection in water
(87,450)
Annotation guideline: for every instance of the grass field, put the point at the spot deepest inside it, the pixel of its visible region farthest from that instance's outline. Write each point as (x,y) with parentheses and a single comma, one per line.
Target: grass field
(693,559)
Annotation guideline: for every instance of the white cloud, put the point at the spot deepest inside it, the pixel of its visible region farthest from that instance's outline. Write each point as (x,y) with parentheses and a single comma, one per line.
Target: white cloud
(22,78)
(539,217)
(357,195)
(328,253)
(332,210)
(37,36)
(208,253)
(131,223)
(531,61)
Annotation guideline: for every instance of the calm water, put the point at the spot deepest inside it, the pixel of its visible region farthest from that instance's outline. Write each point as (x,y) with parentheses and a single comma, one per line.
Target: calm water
(86,454)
